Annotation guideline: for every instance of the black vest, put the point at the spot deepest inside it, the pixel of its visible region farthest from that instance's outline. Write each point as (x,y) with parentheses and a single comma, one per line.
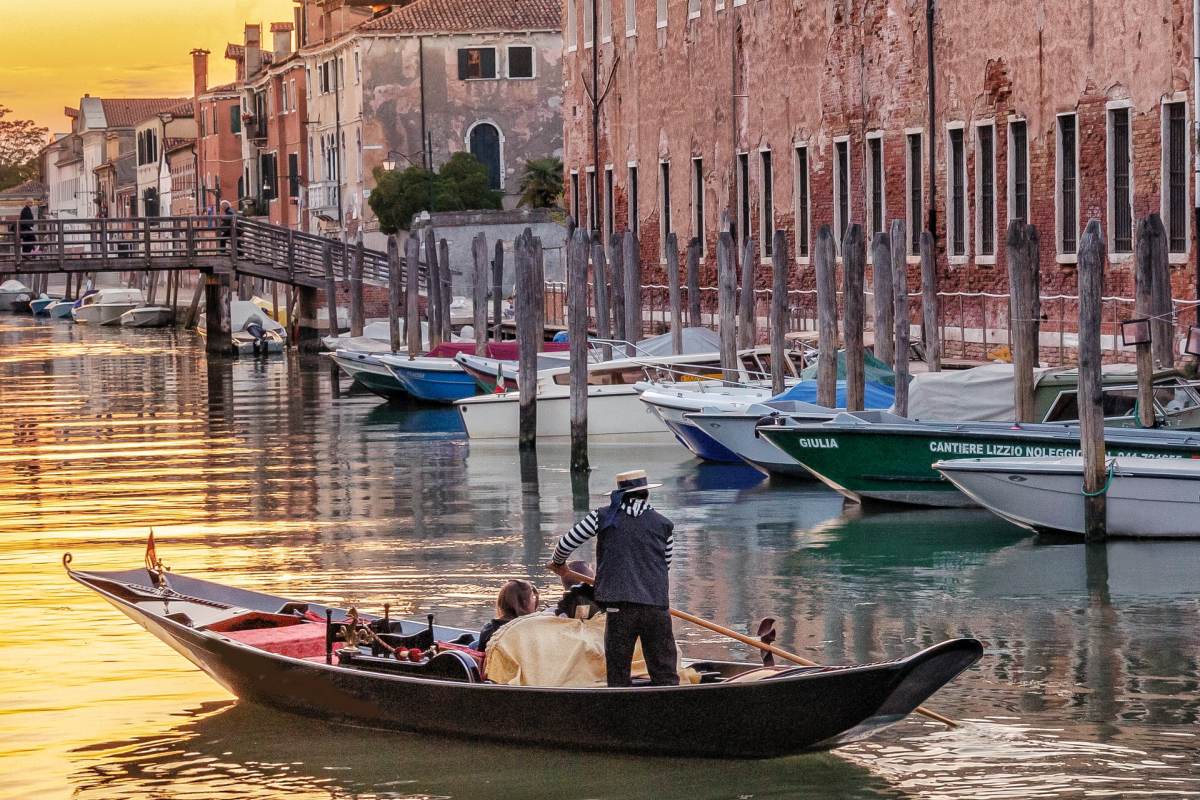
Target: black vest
(631,559)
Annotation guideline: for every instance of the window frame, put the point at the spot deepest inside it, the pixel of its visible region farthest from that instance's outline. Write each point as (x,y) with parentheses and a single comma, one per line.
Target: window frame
(632,191)
(914,217)
(980,256)
(1176,256)
(952,229)
(571,34)
(662,12)
(1011,168)
(698,222)
(1111,110)
(592,194)
(1062,255)
(876,174)
(802,201)
(766,202)
(664,206)
(610,221)
(508,62)
(841,220)
(495,61)
(574,178)
(693,14)
(630,18)
(745,219)
(606,21)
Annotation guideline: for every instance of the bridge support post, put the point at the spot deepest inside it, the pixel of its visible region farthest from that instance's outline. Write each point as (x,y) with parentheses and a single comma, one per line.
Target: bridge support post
(217,297)
(308,335)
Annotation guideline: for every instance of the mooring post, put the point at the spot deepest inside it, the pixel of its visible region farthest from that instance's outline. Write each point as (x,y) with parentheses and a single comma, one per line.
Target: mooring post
(779,280)
(412,296)
(931,335)
(356,288)
(672,254)
(695,246)
(900,314)
(447,287)
(854,256)
(394,289)
(1023,287)
(498,290)
(746,311)
(616,260)
(479,256)
(1091,407)
(433,289)
(600,281)
(727,307)
(1148,238)
(217,298)
(881,291)
(308,333)
(577,331)
(528,340)
(827,323)
(632,258)
(1162,310)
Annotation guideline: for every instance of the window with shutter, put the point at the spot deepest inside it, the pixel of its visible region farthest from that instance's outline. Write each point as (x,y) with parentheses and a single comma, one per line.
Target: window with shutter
(520,62)
(476,63)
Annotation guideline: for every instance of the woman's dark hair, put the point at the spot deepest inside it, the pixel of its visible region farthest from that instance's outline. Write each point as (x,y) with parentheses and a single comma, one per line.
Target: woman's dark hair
(516,599)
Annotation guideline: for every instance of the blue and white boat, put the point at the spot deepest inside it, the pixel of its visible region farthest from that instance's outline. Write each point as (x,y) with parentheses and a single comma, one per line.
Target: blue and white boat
(434,377)
(361,362)
(39,305)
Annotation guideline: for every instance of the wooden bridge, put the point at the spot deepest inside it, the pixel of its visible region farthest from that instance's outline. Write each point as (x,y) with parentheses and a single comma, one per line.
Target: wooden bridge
(219,247)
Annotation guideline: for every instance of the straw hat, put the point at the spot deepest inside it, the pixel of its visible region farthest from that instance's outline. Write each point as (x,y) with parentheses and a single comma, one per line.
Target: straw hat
(634,480)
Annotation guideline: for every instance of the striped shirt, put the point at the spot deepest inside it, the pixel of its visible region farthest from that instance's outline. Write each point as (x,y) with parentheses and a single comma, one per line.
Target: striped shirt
(588,527)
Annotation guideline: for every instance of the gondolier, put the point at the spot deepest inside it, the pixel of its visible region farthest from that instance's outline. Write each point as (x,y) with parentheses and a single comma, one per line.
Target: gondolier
(634,545)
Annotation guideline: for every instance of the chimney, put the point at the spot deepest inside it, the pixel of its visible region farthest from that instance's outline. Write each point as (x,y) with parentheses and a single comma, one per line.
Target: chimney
(253,50)
(281,33)
(199,72)
(298,20)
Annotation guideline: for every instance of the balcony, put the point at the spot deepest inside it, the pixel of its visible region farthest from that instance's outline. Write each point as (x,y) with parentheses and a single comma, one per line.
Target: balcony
(323,197)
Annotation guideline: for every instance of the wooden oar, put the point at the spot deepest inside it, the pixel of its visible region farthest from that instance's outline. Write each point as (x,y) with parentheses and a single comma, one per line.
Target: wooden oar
(770,648)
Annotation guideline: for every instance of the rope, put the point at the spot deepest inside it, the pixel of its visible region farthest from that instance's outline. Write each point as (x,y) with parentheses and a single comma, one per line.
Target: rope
(1112,468)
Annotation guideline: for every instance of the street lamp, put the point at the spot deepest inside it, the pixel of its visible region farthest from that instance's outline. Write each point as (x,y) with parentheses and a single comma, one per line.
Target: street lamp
(390,164)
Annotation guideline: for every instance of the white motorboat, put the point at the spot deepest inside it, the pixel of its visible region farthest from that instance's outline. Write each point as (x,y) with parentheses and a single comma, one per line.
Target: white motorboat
(733,430)
(148,317)
(364,366)
(253,330)
(13,293)
(106,306)
(1145,497)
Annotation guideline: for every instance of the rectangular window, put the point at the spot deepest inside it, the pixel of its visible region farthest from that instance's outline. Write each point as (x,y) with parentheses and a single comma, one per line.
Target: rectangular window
(802,207)
(767,223)
(575,197)
(589,24)
(875,164)
(698,200)
(606,20)
(958,193)
(476,63)
(293,175)
(1120,199)
(593,208)
(665,213)
(609,221)
(357,67)
(520,61)
(235,119)
(662,13)
(743,177)
(693,9)
(916,198)
(1018,170)
(841,190)
(633,199)
(985,188)
(1068,211)
(571,23)
(630,17)
(1174,157)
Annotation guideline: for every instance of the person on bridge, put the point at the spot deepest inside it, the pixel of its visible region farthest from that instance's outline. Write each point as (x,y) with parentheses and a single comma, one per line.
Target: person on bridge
(28,237)
(227,215)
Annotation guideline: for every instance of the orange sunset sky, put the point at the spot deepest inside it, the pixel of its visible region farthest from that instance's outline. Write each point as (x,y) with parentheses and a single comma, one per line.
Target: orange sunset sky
(54,51)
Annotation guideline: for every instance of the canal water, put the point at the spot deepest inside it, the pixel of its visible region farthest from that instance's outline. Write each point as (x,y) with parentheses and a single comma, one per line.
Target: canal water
(267,475)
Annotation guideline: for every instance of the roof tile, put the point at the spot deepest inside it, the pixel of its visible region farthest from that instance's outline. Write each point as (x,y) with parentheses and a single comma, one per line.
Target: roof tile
(462,16)
(128,112)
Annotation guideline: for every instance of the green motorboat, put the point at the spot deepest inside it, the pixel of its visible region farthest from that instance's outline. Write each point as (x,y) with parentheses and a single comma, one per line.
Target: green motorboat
(874,455)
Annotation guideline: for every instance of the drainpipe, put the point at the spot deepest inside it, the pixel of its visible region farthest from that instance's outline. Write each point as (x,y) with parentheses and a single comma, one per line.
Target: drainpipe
(593,212)
(932,80)
(427,156)
(1196,137)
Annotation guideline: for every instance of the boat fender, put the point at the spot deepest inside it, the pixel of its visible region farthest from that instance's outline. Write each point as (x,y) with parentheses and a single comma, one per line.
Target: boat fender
(771,419)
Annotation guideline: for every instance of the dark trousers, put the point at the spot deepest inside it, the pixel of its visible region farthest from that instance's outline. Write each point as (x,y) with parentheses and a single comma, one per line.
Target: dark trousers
(624,624)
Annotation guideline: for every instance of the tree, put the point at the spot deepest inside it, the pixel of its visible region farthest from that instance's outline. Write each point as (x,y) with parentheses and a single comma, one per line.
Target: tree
(20,141)
(542,182)
(462,184)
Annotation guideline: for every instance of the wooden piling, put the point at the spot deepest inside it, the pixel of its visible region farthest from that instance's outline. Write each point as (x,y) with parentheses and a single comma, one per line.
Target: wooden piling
(308,336)
(854,257)
(479,258)
(746,311)
(632,262)
(577,331)
(447,288)
(1091,408)
(1148,239)
(600,282)
(673,298)
(357,315)
(497,290)
(539,285)
(433,289)
(218,295)
(528,341)
(693,281)
(881,291)
(930,334)
(726,306)
(616,261)
(779,276)
(827,335)
(412,308)
(330,289)
(900,313)
(1162,325)
(1023,286)
(394,289)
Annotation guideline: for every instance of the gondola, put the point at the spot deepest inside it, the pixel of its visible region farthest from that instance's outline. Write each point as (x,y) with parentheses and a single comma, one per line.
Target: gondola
(291,655)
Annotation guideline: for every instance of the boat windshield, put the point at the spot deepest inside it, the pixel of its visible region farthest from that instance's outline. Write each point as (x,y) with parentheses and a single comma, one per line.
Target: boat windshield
(1173,397)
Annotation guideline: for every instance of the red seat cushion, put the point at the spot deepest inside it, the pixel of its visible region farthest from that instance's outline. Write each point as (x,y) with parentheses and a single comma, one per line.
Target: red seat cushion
(306,640)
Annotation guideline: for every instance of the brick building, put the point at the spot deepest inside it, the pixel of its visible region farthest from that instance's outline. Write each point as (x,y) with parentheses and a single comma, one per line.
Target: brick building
(792,116)
(218,138)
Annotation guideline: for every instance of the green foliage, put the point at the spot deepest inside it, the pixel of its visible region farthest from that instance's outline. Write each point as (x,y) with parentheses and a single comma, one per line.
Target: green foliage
(460,185)
(542,182)
(20,141)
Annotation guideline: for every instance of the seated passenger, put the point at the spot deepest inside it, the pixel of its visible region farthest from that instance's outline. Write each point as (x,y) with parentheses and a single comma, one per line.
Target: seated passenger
(516,599)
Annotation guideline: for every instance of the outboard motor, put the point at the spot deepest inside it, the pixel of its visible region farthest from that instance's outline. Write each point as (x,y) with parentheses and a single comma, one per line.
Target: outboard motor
(255,329)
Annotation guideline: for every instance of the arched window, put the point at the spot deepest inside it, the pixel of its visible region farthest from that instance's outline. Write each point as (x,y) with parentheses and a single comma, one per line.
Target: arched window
(484,143)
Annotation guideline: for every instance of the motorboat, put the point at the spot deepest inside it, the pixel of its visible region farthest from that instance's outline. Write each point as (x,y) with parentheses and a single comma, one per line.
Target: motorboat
(439,376)
(148,317)
(12,294)
(1143,497)
(377,330)
(253,330)
(345,666)
(364,366)
(39,306)
(876,455)
(61,309)
(671,403)
(105,306)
